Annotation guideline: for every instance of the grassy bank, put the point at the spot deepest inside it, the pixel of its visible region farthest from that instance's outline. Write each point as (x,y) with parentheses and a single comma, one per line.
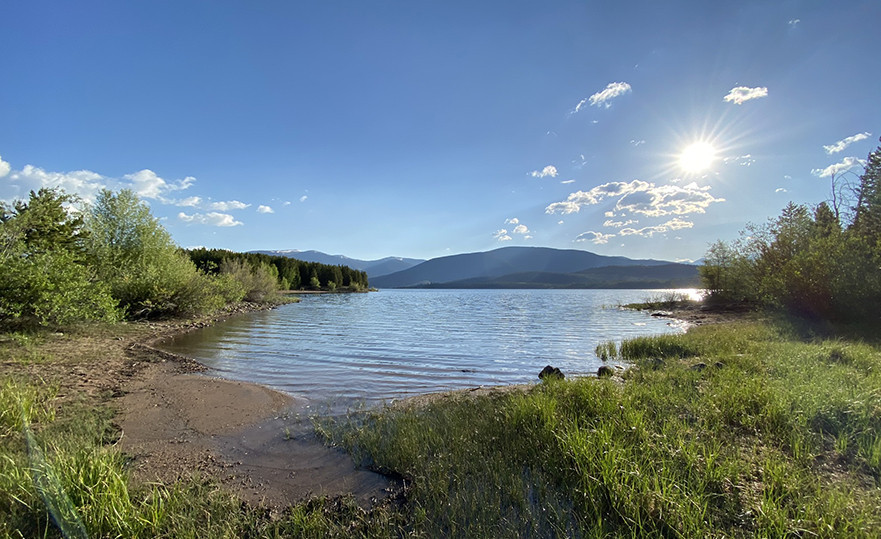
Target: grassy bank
(737,430)
(749,429)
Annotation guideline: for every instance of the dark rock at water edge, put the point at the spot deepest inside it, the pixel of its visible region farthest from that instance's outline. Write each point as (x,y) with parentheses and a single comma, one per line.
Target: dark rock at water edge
(551,372)
(605,372)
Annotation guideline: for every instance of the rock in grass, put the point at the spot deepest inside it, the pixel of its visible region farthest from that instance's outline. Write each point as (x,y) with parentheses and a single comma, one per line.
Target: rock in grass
(551,372)
(698,367)
(605,372)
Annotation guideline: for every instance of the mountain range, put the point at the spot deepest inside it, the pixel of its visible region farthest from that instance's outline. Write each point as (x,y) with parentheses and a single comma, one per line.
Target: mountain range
(374,268)
(513,267)
(540,267)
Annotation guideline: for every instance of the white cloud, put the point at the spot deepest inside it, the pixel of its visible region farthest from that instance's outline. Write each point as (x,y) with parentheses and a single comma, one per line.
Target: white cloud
(603,97)
(637,143)
(595,237)
(678,224)
(793,22)
(264,209)
(210,218)
(780,190)
(549,170)
(146,184)
(228,205)
(502,235)
(303,198)
(191,202)
(846,164)
(87,184)
(512,221)
(565,182)
(641,197)
(520,229)
(581,198)
(84,183)
(740,94)
(287,203)
(648,231)
(4,168)
(845,142)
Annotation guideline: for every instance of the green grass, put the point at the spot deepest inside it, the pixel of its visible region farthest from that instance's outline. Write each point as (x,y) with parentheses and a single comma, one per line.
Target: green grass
(780,439)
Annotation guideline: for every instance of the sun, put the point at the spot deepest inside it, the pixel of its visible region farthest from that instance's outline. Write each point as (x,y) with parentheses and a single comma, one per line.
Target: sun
(697,157)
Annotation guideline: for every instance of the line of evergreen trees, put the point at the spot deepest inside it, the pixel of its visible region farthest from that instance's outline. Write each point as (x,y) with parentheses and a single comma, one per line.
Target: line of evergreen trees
(292,274)
(823,262)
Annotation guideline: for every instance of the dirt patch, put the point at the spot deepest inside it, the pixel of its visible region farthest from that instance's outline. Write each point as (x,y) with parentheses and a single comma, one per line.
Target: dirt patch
(176,421)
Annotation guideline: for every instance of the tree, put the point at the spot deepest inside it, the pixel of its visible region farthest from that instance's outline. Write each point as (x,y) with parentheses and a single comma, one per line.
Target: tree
(44,279)
(136,256)
(867,218)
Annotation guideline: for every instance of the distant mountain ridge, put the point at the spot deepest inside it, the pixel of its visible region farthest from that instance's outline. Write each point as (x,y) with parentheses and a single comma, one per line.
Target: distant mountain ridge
(374,268)
(540,267)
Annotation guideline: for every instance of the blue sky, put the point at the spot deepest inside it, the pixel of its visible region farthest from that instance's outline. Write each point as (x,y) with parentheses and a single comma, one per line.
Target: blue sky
(422,129)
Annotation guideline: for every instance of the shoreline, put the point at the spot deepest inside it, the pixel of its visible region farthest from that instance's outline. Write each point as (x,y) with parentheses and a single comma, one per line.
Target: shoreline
(254,440)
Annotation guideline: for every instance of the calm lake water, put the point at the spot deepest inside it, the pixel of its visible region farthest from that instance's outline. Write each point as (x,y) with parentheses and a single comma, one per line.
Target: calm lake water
(345,349)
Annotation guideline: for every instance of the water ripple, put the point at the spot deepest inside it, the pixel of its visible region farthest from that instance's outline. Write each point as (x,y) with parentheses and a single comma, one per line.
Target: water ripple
(374,347)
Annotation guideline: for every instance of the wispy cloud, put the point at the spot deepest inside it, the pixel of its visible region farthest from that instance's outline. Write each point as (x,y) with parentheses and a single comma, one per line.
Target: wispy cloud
(742,160)
(549,170)
(740,94)
(604,97)
(794,22)
(780,190)
(845,142)
(595,237)
(210,218)
(566,182)
(303,198)
(837,168)
(618,224)
(264,209)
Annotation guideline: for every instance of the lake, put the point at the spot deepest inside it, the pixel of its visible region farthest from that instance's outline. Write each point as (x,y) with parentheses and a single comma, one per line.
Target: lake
(343,350)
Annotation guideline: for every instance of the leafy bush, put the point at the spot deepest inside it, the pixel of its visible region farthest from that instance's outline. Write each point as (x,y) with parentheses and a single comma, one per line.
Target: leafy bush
(259,282)
(137,258)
